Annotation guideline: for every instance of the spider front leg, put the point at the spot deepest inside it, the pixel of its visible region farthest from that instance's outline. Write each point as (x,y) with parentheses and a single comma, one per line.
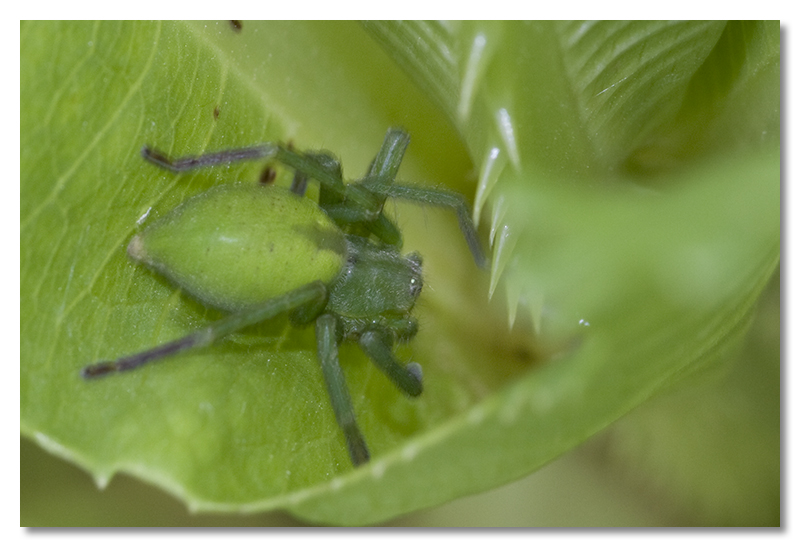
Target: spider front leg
(313,165)
(446,199)
(385,167)
(188,163)
(328,354)
(378,347)
(303,296)
(371,219)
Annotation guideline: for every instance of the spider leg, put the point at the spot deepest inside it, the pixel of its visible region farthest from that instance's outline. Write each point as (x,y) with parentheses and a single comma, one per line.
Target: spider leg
(319,166)
(354,216)
(385,167)
(381,181)
(387,162)
(443,198)
(378,347)
(328,353)
(362,206)
(329,164)
(206,336)
(299,184)
(187,163)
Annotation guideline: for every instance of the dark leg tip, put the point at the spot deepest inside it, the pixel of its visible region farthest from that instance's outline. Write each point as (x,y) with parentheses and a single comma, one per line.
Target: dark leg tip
(414,388)
(98,370)
(357,446)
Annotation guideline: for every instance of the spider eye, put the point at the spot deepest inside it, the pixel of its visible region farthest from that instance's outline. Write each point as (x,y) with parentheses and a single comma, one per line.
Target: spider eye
(414,262)
(415,287)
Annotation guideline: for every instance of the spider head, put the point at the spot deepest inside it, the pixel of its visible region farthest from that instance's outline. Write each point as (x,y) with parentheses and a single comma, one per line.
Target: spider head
(376,280)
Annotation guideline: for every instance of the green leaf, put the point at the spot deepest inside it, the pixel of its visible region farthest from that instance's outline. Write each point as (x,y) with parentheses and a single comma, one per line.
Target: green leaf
(628,173)
(245,425)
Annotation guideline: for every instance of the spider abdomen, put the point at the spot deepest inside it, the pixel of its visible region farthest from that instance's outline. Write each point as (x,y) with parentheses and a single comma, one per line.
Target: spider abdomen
(238,245)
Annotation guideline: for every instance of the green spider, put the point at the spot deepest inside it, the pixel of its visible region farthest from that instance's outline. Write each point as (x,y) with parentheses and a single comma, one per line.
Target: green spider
(257,251)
